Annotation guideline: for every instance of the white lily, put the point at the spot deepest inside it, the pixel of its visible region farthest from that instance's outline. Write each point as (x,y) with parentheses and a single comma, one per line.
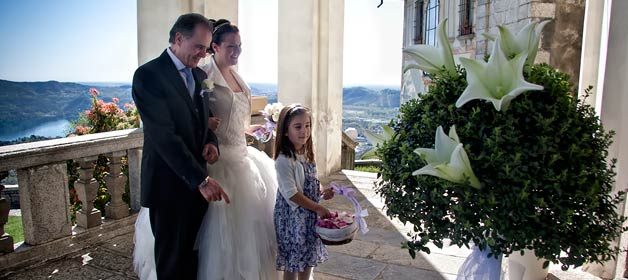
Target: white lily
(448,160)
(526,40)
(431,59)
(377,140)
(499,81)
(489,36)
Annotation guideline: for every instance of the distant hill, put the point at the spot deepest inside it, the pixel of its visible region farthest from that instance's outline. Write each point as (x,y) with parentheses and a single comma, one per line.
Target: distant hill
(361,96)
(27,104)
(352,96)
(269,90)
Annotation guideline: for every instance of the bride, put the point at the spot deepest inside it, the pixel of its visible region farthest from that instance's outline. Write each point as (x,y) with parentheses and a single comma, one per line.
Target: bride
(236,240)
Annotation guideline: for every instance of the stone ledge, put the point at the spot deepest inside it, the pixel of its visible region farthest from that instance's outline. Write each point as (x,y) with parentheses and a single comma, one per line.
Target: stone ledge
(58,150)
(26,256)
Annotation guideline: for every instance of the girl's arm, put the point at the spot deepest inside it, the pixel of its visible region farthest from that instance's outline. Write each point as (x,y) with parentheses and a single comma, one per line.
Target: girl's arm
(308,204)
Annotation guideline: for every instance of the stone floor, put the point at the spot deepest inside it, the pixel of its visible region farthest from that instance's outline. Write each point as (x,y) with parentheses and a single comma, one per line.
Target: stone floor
(375,255)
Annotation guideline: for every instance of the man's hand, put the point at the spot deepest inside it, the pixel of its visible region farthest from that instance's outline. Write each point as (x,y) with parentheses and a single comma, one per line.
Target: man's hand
(212,191)
(210,153)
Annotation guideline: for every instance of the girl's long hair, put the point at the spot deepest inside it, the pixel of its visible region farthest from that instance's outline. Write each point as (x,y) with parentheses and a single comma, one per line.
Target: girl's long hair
(282,143)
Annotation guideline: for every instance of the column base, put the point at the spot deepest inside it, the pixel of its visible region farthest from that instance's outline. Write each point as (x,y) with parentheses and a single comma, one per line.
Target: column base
(88,220)
(116,211)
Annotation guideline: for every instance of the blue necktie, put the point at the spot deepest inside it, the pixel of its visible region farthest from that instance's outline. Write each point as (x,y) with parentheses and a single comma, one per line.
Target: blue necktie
(189,80)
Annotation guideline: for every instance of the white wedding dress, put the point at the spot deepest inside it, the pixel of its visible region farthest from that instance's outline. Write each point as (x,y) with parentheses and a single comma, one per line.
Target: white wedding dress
(236,240)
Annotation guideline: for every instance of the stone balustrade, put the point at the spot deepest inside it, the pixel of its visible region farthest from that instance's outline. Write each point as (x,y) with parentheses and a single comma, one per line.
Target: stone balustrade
(44,193)
(45,197)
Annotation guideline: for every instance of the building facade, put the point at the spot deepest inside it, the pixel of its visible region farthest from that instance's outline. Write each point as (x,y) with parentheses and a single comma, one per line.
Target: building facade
(467,20)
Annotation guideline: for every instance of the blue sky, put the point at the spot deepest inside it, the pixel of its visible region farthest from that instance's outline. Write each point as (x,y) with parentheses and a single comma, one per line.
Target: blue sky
(68,40)
(79,40)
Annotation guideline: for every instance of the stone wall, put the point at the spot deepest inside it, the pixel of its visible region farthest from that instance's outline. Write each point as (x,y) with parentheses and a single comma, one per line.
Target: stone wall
(566,43)
(561,41)
(514,14)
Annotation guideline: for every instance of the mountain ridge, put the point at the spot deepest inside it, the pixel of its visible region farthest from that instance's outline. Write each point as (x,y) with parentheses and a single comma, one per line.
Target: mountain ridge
(26,104)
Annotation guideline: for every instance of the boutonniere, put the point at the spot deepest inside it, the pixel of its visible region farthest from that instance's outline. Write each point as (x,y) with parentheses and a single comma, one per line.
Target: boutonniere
(207,86)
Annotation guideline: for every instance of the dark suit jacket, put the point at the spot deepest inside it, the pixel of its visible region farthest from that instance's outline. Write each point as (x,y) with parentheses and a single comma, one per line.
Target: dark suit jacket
(175,132)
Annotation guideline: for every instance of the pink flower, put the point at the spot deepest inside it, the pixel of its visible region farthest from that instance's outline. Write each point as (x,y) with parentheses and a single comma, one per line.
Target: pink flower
(115,100)
(336,221)
(89,114)
(81,130)
(111,108)
(128,106)
(93,91)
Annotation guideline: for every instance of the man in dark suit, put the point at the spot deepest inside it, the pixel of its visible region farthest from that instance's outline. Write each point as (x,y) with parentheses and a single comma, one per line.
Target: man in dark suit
(177,146)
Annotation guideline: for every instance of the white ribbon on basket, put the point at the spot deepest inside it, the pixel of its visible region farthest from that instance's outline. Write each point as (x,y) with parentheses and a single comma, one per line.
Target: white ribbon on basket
(360,213)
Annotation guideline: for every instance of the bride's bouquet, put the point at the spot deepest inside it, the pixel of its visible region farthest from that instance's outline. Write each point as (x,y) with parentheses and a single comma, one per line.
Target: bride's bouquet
(340,228)
(271,115)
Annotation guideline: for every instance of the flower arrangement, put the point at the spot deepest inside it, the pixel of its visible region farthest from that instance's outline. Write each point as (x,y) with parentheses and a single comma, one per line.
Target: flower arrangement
(271,115)
(106,116)
(523,165)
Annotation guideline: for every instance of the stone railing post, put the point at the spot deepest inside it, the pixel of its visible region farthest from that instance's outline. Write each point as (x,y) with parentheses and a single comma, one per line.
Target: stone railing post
(116,183)
(45,202)
(134,160)
(6,241)
(87,188)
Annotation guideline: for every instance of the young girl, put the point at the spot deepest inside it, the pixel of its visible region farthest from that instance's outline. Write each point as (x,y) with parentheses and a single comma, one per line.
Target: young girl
(296,207)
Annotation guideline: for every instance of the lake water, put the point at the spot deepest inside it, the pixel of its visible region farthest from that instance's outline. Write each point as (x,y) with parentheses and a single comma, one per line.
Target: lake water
(58,128)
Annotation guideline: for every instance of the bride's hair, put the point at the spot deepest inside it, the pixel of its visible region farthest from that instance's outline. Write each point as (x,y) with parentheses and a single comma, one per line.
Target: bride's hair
(221,28)
(282,143)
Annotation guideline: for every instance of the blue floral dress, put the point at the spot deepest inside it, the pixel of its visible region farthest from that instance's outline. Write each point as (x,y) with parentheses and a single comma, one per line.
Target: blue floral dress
(298,245)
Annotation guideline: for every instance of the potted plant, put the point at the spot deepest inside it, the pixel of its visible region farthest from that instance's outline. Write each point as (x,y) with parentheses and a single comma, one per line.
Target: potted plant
(502,155)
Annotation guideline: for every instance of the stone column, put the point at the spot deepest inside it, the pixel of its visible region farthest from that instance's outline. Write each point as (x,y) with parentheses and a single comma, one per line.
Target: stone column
(154,20)
(606,40)
(6,241)
(310,70)
(116,183)
(45,202)
(594,46)
(613,113)
(87,188)
(217,9)
(134,160)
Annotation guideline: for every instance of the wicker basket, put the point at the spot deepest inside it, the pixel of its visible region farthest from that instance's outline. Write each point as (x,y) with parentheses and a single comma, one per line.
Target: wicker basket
(337,236)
